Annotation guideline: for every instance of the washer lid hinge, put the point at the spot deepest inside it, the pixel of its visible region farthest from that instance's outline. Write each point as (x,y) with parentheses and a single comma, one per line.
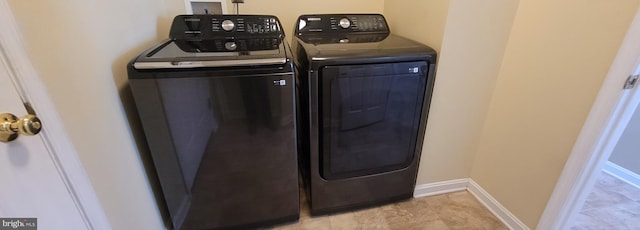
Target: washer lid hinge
(632,81)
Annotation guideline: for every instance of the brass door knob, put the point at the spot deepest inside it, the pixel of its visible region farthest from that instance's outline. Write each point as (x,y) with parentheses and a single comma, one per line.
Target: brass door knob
(11,127)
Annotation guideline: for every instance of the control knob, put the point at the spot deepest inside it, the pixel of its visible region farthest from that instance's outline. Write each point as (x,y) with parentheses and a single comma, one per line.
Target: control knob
(230,46)
(228,25)
(345,23)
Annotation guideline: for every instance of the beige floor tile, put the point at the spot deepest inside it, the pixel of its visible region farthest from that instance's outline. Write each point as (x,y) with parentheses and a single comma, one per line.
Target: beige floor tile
(346,221)
(432,225)
(413,214)
(601,197)
(372,218)
(293,226)
(443,212)
(320,223)
(610,183)
(612,204)
(461,210)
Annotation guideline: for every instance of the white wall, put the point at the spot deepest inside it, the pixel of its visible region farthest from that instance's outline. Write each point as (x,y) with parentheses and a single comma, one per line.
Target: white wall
(556,58)
(80,49)
(474,35)
(627,151)
(422,21)
(515,82)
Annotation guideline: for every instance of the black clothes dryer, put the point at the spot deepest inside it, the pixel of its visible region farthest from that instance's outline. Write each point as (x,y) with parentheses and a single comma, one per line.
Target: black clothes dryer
(217,104)
(364,99)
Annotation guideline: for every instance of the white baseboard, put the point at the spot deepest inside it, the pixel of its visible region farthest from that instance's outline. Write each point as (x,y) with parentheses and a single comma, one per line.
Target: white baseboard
(438,188)
(502,213)
(623,174)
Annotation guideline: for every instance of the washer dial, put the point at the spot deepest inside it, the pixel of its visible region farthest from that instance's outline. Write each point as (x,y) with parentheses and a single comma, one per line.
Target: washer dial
(345,23)
(231,46)
(228,25)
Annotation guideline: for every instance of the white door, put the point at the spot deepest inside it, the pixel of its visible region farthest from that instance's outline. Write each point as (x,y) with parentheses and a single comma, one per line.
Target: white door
(30,183)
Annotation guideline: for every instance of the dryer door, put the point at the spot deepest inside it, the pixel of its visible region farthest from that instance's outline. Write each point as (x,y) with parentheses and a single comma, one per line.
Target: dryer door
(370,117)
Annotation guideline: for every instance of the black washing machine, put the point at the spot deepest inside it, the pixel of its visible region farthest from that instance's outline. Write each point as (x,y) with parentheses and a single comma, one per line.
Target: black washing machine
(217,104)
(364,99)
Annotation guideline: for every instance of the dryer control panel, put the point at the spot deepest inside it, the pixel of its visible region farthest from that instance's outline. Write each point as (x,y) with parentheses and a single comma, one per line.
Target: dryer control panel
(200,27)
(341,23)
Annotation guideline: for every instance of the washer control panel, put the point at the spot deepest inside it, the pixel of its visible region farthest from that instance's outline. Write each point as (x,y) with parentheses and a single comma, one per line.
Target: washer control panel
(215,26)
(341,23)
(228,45)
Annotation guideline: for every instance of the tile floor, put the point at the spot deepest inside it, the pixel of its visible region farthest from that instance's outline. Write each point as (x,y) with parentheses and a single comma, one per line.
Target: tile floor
(613,204)
(459,210)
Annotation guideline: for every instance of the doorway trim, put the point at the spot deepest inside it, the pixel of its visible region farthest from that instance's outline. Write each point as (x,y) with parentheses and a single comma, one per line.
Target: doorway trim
(606,122)
(54,137)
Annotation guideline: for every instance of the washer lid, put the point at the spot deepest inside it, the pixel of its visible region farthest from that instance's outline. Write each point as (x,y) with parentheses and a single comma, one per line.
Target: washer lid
(226,52)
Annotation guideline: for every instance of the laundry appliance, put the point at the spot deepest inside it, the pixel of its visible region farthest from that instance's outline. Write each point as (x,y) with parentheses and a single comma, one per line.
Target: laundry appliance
(217,105)
(364,100)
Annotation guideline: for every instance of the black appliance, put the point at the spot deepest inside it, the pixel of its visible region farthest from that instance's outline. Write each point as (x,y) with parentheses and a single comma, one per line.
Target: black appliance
(217,104)
(364,99)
